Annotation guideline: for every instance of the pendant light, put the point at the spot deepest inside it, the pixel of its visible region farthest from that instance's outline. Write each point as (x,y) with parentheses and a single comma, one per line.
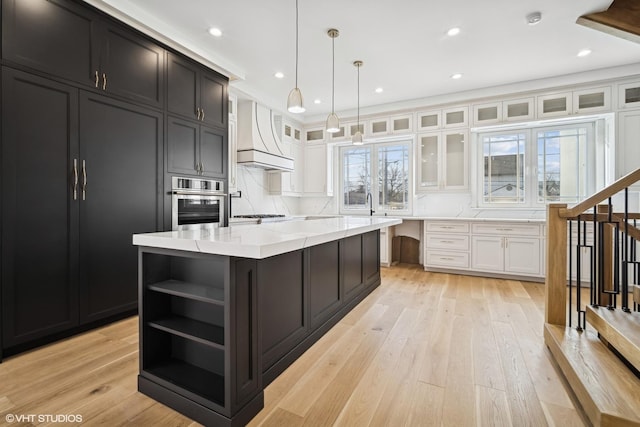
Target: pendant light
(333,122)
(294,101)
(356,139)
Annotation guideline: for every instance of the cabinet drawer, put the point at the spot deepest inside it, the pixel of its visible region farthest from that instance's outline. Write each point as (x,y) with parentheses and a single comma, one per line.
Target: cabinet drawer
(448,241)
(507,229)
(448,227)
(447,259)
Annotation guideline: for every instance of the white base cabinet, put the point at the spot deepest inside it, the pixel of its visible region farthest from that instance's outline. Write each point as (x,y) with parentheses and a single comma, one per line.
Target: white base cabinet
(386,238)
(496,247)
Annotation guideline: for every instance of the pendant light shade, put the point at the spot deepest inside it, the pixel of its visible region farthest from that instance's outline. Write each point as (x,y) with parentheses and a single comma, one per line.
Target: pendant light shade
(333,122)
(357,138)
(294,101)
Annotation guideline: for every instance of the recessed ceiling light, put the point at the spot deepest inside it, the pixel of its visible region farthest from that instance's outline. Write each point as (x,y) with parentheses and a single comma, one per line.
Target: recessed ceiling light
(379,90)
(317,101)
(453,31)
(584,52)
(279,75)
(215,32)
(456,76)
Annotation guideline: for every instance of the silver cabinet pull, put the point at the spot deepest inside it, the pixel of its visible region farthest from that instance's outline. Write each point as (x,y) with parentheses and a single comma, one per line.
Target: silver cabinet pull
(75,179)
(97,78)
(84,180)
(198,113)
(202,109)
(104,81)
(201,168)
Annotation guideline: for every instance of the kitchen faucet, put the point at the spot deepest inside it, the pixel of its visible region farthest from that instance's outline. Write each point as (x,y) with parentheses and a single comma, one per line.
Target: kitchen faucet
(370,201)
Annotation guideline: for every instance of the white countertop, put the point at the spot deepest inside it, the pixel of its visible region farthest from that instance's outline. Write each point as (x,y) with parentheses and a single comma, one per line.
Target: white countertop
(264,240)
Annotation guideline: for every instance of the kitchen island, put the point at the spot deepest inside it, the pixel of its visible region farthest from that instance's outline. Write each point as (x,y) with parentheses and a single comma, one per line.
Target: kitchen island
(224,311)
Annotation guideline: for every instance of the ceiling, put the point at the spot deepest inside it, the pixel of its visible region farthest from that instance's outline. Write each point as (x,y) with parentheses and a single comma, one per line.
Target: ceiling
(403,44)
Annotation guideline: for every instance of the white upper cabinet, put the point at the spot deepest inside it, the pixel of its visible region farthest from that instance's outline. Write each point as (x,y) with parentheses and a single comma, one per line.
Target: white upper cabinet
(583,101)
(455,117)
(558,104)
(629,95)
(318,170)
(592,100)
(393,125)
(442,162)
(401,124)
(378,127)
(314,135)
(503,111)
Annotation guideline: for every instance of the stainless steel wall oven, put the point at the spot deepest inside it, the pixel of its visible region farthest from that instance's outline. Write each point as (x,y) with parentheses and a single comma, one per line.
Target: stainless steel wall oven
(196,203)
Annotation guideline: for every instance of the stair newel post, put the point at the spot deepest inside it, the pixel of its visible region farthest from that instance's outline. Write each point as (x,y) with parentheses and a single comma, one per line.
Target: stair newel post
(556,262)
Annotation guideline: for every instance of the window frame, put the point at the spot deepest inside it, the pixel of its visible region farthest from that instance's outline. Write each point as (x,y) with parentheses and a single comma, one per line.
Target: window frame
(375,147)
(598,136)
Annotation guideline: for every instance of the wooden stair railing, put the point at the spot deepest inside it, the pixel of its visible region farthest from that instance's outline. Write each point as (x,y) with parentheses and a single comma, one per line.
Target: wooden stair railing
(608,391)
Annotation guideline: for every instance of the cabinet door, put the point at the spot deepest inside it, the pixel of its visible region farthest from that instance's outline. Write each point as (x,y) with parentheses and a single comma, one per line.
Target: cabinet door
(232,148)
(522,255)
(213,100)
(324,282)
(487,253)
(182,146)
(555,105)
(628,149)
(133,66)
(32,36)
(352,257)
(297,176)
(213,152)
(182,87)
(428,161)
(455,160)
(39,215)
(282,307)
(122,150)
(316,169)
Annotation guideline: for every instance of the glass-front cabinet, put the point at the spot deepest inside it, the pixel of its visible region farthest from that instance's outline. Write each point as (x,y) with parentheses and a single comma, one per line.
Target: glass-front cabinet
(442,161)
(629,95)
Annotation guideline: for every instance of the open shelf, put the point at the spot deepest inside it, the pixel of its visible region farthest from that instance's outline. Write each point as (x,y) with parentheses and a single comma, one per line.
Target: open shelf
(202,332)
(192,378)
(188,290)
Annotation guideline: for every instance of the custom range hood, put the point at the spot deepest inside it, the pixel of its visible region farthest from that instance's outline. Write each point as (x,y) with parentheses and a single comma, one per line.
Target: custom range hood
(259,142)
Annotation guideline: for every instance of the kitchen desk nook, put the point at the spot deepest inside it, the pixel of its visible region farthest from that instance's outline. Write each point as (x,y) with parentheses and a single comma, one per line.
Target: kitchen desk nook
(224,311)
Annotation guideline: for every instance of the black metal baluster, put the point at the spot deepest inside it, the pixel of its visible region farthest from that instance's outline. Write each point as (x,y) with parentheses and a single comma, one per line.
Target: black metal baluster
(570,272)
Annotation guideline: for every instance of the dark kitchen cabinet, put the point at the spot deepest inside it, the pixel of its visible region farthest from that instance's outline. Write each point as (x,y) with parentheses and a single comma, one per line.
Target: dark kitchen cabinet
(196,93)
(81,173)
(283,305)
(199,335)
(65,40)
(196,149)
(121,154)
(129,65)
(324,282)
(39,215)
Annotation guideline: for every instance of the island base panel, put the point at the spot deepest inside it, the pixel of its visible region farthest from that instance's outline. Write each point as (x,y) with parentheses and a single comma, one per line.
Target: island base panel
(197,412)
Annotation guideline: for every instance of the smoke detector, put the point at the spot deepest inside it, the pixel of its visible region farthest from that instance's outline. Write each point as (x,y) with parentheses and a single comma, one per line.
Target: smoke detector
(534,18)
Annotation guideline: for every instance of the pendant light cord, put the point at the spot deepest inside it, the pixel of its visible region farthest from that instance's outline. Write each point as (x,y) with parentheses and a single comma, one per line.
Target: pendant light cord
(358,98)
(333,73)
(296,43)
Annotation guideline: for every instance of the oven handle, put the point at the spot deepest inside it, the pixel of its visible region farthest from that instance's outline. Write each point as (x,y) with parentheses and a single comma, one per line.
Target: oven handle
(198,193)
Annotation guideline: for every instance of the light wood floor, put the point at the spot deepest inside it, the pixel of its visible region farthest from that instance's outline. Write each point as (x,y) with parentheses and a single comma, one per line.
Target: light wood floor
(423,349)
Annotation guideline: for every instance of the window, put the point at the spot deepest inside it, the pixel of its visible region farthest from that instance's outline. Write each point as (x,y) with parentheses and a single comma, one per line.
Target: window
(382,170)
(537,165)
